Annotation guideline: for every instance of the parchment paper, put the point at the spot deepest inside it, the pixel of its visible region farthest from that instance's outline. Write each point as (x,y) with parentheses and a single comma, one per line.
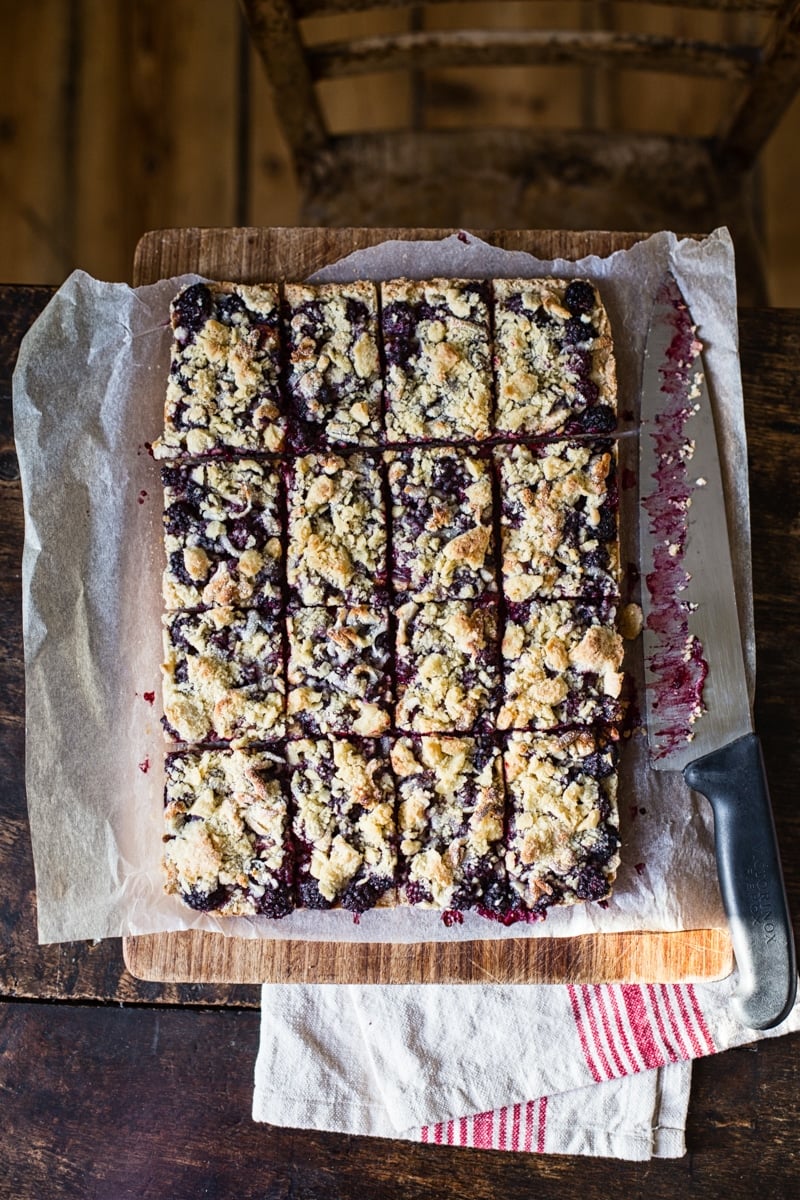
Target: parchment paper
(88,396)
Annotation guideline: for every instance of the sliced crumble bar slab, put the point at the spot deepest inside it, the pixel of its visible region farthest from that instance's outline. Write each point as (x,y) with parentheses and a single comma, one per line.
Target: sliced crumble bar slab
(222,534)
(563,837)
(223,676)
(338,671)
(337,531)
(559,520)
(442,545)
(227,844)
(553,358)
(561,665)
(334,371)
(344,823)
(223,392)
(437,344)
(450,822)
(446,666)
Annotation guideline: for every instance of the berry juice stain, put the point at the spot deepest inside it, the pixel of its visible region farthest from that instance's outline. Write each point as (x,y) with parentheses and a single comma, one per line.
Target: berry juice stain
(677,664)
(144,766)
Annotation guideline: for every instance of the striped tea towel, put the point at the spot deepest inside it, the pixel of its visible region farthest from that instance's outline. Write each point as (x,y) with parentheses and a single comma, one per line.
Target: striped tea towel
(599,1069)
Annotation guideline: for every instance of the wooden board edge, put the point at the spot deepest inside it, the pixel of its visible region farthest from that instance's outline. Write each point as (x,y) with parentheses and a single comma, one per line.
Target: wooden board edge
(162,253)
(193,956)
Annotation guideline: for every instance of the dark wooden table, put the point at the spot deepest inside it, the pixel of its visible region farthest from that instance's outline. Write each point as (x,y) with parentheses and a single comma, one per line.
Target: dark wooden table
(112,1088)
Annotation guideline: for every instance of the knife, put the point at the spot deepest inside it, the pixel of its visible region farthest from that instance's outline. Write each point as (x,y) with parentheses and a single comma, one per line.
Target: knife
(698,711)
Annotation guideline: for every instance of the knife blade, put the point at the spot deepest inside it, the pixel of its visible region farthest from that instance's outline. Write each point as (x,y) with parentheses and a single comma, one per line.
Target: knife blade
(698,711)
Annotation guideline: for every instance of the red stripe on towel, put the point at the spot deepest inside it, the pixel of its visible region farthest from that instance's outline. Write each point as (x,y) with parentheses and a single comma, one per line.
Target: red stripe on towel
(701,1021)
(529,1124)
(483,1130)
(542,1125)
(639,1020)
(579,1025)
(604,1004)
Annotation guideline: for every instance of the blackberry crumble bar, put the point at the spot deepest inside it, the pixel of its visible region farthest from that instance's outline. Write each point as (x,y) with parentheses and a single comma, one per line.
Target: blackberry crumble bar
(227,846)
(437,344)
(563,836)
(337,531)
(559,520)
(334,372)
(344,823)
(561,665)
(442,545)
(446,666)
(338,671)
(450,822)
(224,382)
(554,365)
(222,534)
(223,676)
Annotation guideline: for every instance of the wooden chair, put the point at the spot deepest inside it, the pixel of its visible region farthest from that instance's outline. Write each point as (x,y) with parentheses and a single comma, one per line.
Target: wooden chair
(585,178)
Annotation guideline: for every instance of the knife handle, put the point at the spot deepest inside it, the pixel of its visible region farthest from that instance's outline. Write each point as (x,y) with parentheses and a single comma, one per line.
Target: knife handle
(733,779)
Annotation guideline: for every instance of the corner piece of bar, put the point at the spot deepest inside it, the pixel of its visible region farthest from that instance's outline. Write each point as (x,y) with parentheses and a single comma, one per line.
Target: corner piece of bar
(450,822)
(227,846)
(553,356)
(223,393)
(563,835)
(344,823)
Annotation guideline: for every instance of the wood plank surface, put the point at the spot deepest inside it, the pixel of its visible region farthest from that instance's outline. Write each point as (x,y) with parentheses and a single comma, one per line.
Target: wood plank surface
(137,1104)
(284,254)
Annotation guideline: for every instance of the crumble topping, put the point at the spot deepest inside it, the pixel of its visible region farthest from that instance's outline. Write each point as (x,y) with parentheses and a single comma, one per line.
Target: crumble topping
(561,666)
(450,822)
(437,341)
(558,519)
(344,822)
(226,821)
(563,834)
(553,358)
(446,666)
(248,833)
(338,671)
(334,377)
(223,676)
(223,391)
(337,530)
(442,547)
(222,534)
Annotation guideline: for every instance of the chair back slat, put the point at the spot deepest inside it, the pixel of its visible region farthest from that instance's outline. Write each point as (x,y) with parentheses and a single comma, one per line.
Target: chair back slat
(320,8)
(273,29)
(483,48)
(772,89)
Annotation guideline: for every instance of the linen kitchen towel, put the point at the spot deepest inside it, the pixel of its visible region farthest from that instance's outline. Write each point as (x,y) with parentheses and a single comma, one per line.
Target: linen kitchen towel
(598,1069)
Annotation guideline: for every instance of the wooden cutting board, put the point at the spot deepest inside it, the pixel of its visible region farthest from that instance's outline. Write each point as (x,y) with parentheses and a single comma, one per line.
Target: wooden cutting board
(249,255)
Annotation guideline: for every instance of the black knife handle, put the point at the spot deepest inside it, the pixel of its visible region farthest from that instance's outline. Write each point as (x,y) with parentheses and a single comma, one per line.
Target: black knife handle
(734,781)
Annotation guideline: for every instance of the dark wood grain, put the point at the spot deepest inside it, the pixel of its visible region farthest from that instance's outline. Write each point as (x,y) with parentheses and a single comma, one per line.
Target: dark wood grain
(111,1105)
